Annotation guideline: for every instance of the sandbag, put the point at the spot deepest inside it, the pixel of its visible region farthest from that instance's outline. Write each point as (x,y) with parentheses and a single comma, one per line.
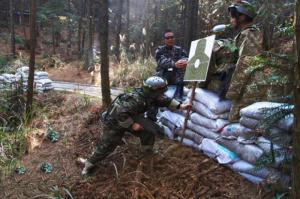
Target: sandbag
(214,125)
(250,123)
(250,153)
(256,111)
(235,130)
(168,132)
(170,91)
(278,136)
(188,142)
(167,123)
(212,101)
(251,178)
(202,131)
(174,118)
(265,144)
(264,172)
(189,134)
(218,152)
(203,110)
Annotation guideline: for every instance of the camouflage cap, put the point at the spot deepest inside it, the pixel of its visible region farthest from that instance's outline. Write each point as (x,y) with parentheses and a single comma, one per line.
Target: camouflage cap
(243,7)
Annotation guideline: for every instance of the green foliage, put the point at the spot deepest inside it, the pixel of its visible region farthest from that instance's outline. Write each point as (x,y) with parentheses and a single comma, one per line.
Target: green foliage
(287,31)
(272,115)
(3,63)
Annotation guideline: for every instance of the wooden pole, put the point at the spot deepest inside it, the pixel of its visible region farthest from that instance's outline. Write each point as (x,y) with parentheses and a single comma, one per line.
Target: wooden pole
(189,110)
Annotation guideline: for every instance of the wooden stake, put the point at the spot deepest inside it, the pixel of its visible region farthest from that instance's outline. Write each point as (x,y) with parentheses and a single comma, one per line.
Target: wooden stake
(189,110)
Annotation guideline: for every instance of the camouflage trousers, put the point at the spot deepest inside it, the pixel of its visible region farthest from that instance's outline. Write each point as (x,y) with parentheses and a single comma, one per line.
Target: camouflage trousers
(112,137)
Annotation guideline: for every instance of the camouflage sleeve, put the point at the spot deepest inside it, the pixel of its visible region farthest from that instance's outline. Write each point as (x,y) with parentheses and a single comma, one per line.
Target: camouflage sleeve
(183,54)
(165,101)
(162,61)
(250,45)
(126,111)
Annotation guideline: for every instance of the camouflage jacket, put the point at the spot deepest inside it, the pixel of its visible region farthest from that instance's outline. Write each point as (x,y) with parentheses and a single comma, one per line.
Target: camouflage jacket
(166,58)
(249,44)
(126,106)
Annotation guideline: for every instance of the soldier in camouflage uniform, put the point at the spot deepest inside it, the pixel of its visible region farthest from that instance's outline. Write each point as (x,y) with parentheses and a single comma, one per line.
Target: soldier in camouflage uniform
(171,62)
(126,113)
(248,43)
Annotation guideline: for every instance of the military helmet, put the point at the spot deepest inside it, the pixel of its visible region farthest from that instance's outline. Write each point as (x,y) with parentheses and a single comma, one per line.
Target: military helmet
(243,7)
(155,83)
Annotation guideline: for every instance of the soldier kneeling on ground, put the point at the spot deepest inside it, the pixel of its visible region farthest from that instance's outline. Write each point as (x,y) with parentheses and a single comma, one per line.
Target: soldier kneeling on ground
(126,113)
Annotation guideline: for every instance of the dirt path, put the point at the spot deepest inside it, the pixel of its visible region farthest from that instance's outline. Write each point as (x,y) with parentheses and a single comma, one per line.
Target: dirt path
(174,172)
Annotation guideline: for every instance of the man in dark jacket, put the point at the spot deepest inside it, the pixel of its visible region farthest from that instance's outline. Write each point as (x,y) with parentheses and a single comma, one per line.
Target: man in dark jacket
(171,63)
(126,113)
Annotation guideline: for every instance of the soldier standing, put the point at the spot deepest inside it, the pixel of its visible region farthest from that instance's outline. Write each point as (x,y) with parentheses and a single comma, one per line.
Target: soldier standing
(248,43)
(171,63)
(126,113)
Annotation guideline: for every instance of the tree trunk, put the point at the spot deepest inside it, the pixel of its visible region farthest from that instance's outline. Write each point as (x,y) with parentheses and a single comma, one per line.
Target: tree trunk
(12,29)
(90,38)
(79,33)
(53,38)
(296,130)
(69,45)
(32,58)
(118,28)
(268,27)
(191,17)
(23,20)
(103,38)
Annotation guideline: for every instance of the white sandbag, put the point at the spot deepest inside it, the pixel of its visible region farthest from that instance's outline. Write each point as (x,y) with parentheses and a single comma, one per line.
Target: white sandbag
(202,131)
(265,144)
(278,136)
(250,123)
(281,154)
(188,142)
(250,153)
(212,101)
(175,118)
(170,91)
(203,110)
(189,134)
(251,178)
(167,123)
(185,91)
(168,132)
(274,132)
(43,81)
(257,110)
(218,152)
(214,125)
(235,130)
(245,167)
(41,74)
(24,69)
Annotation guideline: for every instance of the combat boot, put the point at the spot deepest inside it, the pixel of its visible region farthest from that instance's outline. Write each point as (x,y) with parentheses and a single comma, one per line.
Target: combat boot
(88,166)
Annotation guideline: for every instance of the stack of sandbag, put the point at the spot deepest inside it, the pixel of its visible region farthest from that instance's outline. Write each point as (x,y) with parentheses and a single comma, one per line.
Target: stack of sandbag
(1,81)
(43,85)
(41,79)
(210,113)
(209,131)
(253,116)
(9,78)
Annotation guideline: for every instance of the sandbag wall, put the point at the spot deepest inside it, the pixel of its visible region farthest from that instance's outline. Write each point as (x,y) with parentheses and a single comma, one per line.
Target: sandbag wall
(42,82)
(235,145)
